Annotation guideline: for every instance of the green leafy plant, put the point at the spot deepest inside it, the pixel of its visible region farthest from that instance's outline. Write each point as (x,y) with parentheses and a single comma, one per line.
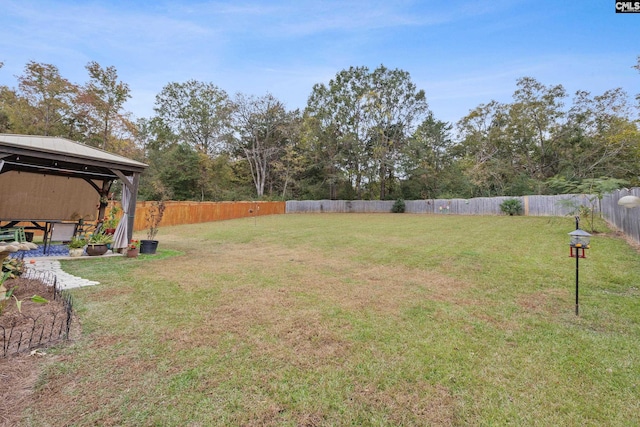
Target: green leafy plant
(398,207)
(77,243)
(112,221)
(36,298)
(13,266)
(100,238)
(511,207)
(7,293)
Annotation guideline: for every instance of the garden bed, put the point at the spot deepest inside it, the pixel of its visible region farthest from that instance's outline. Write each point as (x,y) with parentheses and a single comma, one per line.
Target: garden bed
(20,365)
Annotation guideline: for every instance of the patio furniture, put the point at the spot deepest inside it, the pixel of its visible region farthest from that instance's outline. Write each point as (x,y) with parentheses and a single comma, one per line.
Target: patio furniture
(59,232)
(6,234)
(13,234)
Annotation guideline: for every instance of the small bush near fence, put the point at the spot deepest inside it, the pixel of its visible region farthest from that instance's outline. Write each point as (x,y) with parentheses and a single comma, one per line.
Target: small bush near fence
(398,207)
(511,207)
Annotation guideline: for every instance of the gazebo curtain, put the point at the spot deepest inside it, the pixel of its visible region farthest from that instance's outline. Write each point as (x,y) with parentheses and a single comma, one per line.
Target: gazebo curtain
(120,237)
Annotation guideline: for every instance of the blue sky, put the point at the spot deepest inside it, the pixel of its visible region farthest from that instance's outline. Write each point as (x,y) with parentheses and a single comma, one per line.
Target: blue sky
(462,53)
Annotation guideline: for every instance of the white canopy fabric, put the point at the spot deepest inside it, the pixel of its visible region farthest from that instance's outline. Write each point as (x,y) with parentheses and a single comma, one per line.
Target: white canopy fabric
(120,239)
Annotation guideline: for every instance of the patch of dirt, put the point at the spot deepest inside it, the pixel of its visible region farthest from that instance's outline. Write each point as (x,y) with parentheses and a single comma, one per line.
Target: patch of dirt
(20,370)
(415,404)
(542,302)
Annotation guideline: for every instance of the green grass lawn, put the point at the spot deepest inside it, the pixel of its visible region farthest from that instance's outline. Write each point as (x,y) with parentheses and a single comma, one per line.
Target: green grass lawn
(363,320)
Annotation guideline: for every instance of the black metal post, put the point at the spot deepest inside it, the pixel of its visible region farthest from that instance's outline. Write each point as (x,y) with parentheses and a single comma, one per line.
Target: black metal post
(577,269)
(577,263)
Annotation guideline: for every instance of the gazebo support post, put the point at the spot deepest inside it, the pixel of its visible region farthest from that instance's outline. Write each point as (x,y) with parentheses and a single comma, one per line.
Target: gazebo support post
(132,204)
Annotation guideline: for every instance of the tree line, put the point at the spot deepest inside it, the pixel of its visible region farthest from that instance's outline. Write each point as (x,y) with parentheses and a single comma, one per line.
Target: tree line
(367,134)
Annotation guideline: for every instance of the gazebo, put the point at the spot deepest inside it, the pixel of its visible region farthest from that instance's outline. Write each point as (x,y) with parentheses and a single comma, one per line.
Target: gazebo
(45,179)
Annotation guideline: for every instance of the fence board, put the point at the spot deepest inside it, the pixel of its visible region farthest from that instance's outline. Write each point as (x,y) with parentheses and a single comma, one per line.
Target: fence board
(560,205)
(177,213)
(623,219)
(626,220)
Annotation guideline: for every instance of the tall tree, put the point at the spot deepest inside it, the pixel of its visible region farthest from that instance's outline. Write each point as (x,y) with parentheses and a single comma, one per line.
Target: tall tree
(260,124)
(534,125)
(339,113)
(17,112)
(600,138)
(370,115)
(637,67)
(198,113)
(291,161)
(324,155)
(396,108)
(106,97)
(426,155)
(5,96)
(50,95)
(485,151)
(194,115)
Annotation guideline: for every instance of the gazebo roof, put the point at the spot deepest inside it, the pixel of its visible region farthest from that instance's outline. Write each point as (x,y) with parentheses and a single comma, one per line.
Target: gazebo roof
(45,178)
(60,156)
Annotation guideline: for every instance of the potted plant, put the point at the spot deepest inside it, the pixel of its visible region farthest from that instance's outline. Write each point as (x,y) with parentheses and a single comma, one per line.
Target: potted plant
(153,217)
(133,249)
(76,247)
(111,223)
(98,243)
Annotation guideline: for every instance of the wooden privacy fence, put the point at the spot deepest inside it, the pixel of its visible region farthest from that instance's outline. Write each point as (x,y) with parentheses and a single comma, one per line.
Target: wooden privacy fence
(177,213)
(626,220)
(559,205)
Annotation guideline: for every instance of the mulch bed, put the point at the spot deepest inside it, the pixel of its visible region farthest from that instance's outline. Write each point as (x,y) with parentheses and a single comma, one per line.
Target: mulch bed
(19,371)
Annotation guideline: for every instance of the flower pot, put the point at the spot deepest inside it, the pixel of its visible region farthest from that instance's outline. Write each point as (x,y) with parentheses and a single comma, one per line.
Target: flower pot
(96,249)
(148,246)
(76,252)
(133,253)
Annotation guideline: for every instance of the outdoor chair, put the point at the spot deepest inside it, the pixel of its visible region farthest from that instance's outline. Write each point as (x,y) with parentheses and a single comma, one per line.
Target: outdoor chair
(60,232)
(6,234)
(14,233)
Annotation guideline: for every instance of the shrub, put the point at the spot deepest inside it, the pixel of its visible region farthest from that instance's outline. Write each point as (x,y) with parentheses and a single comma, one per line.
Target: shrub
(398,206)
(154,217)
(77,243)
(511,207)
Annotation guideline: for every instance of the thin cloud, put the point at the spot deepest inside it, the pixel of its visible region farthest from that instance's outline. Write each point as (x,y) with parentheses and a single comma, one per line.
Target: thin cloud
(461,52)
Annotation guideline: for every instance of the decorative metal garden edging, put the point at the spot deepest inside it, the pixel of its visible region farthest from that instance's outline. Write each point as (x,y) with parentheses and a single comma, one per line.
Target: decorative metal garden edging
(45,329)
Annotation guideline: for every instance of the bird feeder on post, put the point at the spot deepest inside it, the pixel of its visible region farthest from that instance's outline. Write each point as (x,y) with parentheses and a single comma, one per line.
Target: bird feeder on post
(580,241)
